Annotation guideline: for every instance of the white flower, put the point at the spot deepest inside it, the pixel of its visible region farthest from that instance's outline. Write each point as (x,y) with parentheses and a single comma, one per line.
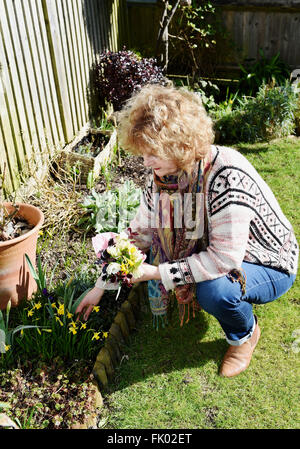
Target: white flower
(113,251)
(113,268)
(123,244)
(123,236)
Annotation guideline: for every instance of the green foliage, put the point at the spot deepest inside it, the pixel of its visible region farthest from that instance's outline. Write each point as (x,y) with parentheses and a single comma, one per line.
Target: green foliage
(111,210)
(54,401)
(263,71)
(84,149)
(102,123)
(45,374)
(268,115)
(7,335)
(49,326)
(194,33)
(207,91)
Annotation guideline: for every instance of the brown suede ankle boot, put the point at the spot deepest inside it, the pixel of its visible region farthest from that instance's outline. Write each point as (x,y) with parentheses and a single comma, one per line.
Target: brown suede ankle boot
(237,358)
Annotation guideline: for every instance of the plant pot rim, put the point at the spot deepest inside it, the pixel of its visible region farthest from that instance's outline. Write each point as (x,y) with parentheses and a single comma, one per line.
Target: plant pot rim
(37,226)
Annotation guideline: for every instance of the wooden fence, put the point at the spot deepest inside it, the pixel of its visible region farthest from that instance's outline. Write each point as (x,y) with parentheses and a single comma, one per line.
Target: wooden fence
(272,25)
(47,48)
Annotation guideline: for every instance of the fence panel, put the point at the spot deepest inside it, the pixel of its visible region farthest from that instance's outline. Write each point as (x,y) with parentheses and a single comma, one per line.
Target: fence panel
(272,26)
(47,48)
(272,29)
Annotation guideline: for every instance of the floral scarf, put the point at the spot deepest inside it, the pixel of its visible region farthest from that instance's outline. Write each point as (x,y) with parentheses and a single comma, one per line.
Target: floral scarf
(170,241)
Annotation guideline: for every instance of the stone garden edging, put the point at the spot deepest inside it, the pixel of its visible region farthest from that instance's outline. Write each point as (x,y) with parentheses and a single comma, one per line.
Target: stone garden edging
(110,354)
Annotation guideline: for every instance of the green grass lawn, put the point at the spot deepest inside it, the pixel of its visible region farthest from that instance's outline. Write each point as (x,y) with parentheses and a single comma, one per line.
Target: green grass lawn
(169,379)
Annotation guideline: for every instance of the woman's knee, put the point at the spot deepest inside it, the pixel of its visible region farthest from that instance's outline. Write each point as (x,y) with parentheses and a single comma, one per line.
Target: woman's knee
(217,295)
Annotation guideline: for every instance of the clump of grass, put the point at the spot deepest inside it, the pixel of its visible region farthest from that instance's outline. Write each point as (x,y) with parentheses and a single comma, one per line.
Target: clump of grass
(59,199)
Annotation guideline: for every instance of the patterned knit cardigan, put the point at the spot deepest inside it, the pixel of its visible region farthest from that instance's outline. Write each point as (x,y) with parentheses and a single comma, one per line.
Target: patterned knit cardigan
(245,223)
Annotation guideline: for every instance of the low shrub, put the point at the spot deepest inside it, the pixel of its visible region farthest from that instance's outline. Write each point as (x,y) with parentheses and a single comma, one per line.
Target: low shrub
(265,70)
(268,115)
(117,75)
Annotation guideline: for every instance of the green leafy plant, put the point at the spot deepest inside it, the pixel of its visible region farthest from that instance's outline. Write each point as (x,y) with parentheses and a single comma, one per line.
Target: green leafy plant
(195,33)
(208,91)
(102,123)
(7,335)
(111,210)
(55,399)
(296,87)
(49,326)
(268,115)
(85,149)
(117,75)
(265,70)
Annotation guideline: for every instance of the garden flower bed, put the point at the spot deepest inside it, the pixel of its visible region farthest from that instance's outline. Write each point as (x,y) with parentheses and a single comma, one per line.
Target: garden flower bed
(52,375)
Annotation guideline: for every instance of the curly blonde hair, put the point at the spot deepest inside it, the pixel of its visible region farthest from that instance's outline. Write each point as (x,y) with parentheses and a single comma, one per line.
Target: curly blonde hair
(168,122)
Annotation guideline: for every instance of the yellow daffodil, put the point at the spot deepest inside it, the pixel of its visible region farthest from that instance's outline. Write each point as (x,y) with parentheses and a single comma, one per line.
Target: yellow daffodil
(69,314)
(73,330)
(105,334)
(7,348)
(96,336)
(61,309)
(59,320)
(37,306)
(132,251)
(124,268)
(83,326)
(30,312)
(53,305)
(47,330)
(96,308)
(22,331)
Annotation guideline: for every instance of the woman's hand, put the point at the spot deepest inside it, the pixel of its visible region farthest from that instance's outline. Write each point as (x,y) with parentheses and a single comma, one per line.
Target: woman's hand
(150,272)
(89,301)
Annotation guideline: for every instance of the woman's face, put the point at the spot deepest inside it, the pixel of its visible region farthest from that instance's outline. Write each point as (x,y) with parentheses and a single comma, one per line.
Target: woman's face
(161,167)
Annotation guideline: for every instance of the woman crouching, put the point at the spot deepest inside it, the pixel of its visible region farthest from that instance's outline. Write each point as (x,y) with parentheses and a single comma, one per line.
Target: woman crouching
(216,235)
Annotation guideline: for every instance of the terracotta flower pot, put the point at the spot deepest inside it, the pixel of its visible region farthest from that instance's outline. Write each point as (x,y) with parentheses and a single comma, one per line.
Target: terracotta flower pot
(16,282)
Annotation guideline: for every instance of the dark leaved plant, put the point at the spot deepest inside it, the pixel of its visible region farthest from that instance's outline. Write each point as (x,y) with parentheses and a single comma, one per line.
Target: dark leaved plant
(117,75)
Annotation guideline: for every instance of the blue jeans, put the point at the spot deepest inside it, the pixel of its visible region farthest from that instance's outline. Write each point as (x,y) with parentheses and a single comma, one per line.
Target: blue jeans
(223,299)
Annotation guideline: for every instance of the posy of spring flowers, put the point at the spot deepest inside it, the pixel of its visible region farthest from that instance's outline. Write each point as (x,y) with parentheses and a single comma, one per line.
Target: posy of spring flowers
(119,258)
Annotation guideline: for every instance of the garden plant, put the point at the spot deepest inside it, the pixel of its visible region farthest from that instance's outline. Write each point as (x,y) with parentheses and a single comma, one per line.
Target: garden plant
(47,352)
(117,75)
